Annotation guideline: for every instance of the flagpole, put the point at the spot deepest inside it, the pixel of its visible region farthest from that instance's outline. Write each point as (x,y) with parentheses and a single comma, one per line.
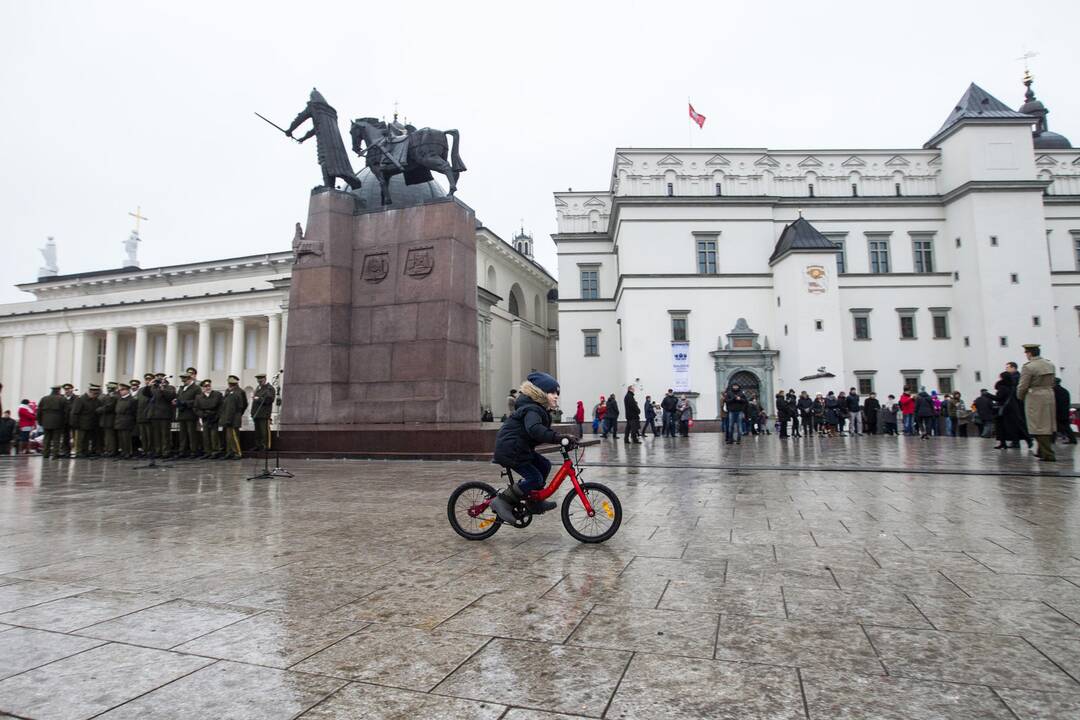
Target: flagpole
(689,120)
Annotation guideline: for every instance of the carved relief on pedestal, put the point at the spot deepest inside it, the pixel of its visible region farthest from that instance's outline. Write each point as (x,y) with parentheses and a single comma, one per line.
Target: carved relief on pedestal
(420,261)
(376,267)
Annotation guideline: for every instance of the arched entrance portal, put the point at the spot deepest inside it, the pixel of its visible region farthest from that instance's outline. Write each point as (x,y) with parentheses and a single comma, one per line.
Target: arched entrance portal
(744,360)
(746,380)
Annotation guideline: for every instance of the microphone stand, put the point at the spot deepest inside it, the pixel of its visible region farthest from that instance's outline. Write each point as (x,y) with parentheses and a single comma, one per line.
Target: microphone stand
(278,471)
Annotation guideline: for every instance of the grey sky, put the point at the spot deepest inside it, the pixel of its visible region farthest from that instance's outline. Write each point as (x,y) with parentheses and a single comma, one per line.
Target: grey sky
(113,105)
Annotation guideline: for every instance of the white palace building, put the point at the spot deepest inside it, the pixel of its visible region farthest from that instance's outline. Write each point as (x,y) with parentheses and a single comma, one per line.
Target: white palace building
(230,316)
(825,269)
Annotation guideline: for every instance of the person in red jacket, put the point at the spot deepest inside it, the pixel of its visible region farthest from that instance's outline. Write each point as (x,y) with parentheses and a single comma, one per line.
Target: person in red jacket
(579,418)
(907,409)
(27,422)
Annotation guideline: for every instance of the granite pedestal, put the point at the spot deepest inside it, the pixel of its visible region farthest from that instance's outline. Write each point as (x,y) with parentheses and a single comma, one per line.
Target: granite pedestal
(381,351)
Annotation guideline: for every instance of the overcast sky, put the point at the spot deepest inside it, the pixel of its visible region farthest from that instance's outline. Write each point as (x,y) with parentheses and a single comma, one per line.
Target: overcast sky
(109,106)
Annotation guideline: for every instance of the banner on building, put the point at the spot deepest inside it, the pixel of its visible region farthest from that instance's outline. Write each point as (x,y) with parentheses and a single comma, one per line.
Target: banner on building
(817,280)
(680,366)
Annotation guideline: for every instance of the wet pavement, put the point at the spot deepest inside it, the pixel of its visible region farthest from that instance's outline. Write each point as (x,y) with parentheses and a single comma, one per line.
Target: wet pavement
(846,578)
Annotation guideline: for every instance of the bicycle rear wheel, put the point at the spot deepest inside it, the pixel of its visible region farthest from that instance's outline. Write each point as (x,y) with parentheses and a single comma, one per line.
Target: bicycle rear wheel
(465,514)
(607,514)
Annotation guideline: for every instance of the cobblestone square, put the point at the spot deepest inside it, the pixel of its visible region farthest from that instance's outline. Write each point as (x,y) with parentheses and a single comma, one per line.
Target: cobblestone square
(857,577)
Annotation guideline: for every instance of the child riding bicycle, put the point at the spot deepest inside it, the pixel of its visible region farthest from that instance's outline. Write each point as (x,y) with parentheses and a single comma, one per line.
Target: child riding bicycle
(526,427)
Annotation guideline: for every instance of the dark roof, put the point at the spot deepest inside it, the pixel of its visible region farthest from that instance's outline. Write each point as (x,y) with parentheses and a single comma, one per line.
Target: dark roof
(977,104)
(801,236)
(1051,141)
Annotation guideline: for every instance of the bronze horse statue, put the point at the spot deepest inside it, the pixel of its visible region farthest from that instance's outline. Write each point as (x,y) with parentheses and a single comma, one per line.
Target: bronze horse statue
(416,154)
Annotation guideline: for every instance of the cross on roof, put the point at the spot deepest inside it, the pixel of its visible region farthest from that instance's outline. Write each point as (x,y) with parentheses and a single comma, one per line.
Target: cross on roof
(138,216)
(1028,54)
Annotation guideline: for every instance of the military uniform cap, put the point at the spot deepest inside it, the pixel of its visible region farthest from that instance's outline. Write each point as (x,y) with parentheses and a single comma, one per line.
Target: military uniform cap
(234,379)
(260,375)
(206,382)
(157,375)
(55,387)
(68,386)
(148,376)
(1031,346)
(112,385)
(94,387)
(135,381)
(184,375)
(192,371)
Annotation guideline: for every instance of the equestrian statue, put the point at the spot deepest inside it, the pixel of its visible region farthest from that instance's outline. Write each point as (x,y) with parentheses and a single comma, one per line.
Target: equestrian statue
(393,149)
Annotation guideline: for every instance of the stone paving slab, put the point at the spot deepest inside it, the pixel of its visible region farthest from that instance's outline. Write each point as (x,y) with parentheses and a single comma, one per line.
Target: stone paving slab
(727,592)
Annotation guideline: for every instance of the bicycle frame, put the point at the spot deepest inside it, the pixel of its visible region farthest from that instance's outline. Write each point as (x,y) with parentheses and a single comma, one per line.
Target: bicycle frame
(566,470)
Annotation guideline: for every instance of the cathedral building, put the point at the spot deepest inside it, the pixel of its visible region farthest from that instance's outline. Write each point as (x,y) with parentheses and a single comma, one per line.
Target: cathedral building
(230,317)
(880,269)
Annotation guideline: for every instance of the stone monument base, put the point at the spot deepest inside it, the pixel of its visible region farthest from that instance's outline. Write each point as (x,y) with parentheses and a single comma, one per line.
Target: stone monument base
(429,441)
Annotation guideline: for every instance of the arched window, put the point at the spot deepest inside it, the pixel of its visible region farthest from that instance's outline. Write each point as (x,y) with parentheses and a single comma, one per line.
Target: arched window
(491,280)
(537,311)
(516,301)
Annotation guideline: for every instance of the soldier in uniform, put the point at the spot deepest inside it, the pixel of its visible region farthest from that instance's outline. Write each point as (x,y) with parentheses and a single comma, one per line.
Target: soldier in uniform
(52,414)
(107,415)
(124,420)
(142,415)
(1036,392)
(208,410)
(185,416)
(84,419)
(233,405)
(161,412)
(68,429)
(262,406)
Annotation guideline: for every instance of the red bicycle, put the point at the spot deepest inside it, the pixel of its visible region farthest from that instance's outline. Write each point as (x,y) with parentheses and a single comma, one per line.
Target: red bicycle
(591,513)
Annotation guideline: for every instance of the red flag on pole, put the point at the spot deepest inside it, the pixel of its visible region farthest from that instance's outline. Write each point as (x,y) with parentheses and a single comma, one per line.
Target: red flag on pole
(697,117)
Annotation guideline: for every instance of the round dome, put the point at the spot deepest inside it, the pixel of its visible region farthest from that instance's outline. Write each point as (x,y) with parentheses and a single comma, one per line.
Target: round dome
(401,195)
(1051,141)
(1033,107)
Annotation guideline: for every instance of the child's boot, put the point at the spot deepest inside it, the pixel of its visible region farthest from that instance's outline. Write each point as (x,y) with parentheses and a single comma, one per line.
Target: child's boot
(505,502)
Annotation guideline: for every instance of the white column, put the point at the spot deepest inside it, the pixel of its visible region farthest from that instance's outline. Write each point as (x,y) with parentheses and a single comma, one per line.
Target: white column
(15,394)
(112,347)
(172,343)
(78,363)
(284,337)
(236,366)
(50,358)
(203,352)
(273,344)
(141,342)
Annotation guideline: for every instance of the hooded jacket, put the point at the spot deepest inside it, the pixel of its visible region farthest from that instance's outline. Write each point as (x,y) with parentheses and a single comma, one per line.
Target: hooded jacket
(525,428)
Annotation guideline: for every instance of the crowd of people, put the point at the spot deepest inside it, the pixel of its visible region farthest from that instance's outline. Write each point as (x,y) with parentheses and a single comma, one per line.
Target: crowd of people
(136,419)
(1002,413)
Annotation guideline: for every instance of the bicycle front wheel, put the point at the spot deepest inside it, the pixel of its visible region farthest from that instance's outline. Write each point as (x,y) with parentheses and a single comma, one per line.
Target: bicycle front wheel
(607,514)
(467,517)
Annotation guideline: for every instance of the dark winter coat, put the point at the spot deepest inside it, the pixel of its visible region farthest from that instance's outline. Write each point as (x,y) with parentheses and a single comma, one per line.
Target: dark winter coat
(650,411)
(124,412)
(804,405)
(208,407)
(984,407)
(8,428)
(528,426)
(52,412)
(161,398)
(633,412)
(832,415)
(84,412)
(107,411)
(735,400)
(1062,402)
(853,403)
(924,406)
(1011,418)
(784,409)
(233,405)
(871,407)
(612,410)
(142,407)
(669,403)
(185,399)
(262,401)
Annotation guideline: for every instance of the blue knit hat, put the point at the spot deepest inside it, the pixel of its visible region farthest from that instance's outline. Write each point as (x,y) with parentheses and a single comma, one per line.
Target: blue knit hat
(544,381)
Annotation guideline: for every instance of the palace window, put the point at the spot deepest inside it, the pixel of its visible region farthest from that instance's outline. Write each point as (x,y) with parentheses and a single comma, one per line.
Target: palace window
(941,323)
(898,193)
(680,331)
(719,190)
(862,325)
(1076,246)
(978,376)
(811,188)
(1036,321)
(590,284)
(993,241)
(912,380)
(1003,341)
(957,242)
(907,323)
(100,364)
(879,255)
(819,325)
(592,343)
(839,239)
(923,249)
(864,381)
(945,383)
(967,341)
(1014,278)
(671,190)
(706,256)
